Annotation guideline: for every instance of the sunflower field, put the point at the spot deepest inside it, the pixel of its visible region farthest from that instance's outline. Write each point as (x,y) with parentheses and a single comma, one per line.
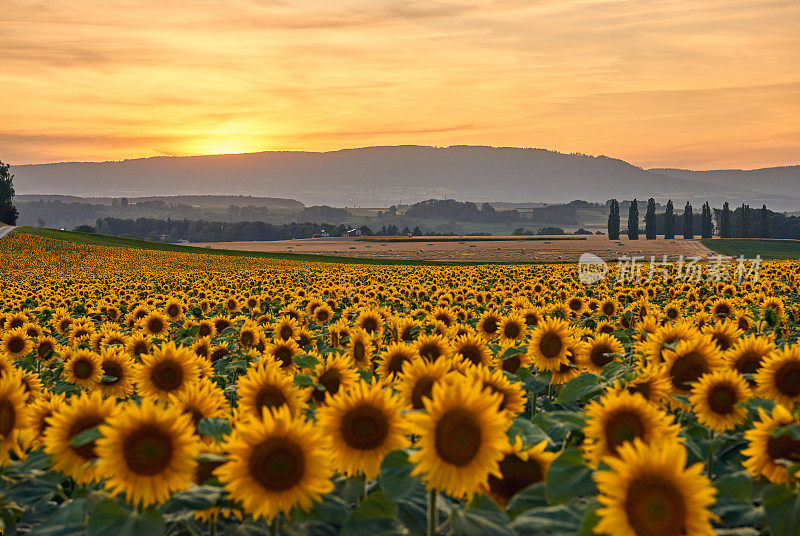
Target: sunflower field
(146,393)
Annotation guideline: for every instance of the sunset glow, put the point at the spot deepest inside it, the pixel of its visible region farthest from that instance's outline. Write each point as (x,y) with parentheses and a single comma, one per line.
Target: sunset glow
(660,83)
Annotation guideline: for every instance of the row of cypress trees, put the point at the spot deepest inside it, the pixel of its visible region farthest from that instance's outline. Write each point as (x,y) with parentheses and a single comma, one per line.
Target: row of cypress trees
(688,221)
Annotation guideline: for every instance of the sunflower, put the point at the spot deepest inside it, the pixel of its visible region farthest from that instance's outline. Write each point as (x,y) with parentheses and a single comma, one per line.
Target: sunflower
(519,468)
(576,305)
(748,354)
(174,309)
(670,334)
(417,381)
(276,464)
(779,376)
(608,307)
(286,328)
(431,347)
(511,364)
(335,374)
(723,333)
(322,314)
(722,308)
(84,369)
(691,359)
(715,397)
(767,449)
(14,415)
(79,414)
(390,363)
(620,417)
(15,343)
(462,438)
(147,452)
(39,415)
(513,402)
(549,344)
(649,491)
(284,351)
(489,324)
(360,349)
(117,368)
(597,353)
(139,344)
(362,425)
(202,347)
(512,328)
(268,387)
(46,348)
(155,324)
(651,382)
(168,370)
(217,352)
(404,329)
(370,321)
(201,401)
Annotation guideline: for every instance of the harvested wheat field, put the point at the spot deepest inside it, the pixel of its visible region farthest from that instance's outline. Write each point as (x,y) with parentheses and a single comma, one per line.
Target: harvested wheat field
(470,249)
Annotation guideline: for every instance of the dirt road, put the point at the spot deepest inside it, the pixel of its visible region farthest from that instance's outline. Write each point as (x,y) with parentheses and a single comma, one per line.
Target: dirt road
(478,251)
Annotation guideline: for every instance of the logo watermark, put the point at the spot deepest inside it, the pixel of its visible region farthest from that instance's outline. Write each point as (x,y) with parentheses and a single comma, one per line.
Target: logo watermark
(715,269)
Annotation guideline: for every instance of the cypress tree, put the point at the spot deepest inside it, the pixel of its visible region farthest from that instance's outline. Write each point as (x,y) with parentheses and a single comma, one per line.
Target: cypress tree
(725,221)
(706,227)
(763,228)
(688,221)
(613,220)
(633,220)
(650,220)
(744,222)
(669,221)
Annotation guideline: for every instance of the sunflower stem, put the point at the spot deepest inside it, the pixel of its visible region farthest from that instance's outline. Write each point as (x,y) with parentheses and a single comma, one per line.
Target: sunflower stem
(275,527)
(710,458)
(433,517)
(533,406)
(212,526)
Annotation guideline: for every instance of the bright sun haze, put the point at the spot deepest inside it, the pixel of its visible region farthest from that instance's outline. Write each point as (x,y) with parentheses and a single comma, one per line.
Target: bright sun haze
(699,85)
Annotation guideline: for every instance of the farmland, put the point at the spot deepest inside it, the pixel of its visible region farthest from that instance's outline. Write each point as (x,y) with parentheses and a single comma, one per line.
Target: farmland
(161,389)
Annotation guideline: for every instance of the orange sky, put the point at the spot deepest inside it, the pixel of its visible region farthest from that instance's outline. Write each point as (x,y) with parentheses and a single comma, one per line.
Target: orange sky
(698,84)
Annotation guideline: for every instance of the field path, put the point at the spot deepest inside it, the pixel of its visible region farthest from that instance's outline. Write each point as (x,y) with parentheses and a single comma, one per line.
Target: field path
(5,230)
(478,251)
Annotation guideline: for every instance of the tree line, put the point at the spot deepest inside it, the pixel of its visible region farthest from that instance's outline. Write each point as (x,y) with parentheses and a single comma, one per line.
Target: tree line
(725,223)
(8,212)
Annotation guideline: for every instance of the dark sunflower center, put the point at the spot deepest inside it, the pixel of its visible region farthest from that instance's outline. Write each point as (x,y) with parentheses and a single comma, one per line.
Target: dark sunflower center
(748,363)
(531,319)
(722,340)
(173,310)
(167,375)
(364,428)
(359,352)
(518,474)
(204,331)
(623,426)
(331,380)
(471,352)
(575,304)
(722,310)
(82,424)
(783,447)
(277,464)
(496,390)
(599,355)
(8,417)
(148,450)
(140,348)
(687,369)
(608,309)
(406,334)
(155,325)
(246,338)
(654,506)
(269,396)
(512,364)
(286,332)
(82,368)
(643,388)
(722,399)
(322,315)
(112,368)
(370,324)
(218,353)
(16,345)
(787,379)
(490,324)
(423,388)
(284,355)
(430,351)
(205,470)
(512,330)
(458,437)
(550,345)
(45,349)
(395,365)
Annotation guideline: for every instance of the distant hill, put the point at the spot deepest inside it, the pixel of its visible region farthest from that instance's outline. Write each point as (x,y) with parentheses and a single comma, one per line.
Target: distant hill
(783,180)
(191,200)
(383,176)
